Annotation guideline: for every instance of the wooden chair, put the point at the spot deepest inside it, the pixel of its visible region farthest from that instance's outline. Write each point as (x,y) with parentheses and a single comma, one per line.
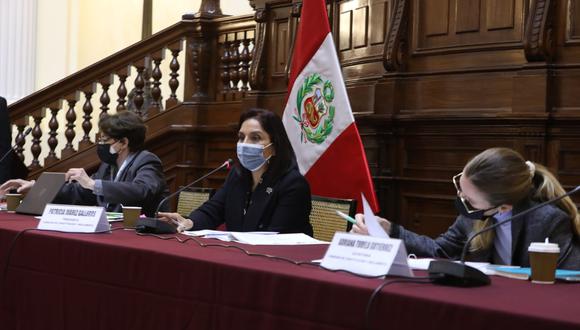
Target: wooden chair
(324,220)
(192,198)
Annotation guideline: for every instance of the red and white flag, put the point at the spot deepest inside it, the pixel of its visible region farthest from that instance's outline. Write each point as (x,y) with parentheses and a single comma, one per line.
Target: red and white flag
(318,117)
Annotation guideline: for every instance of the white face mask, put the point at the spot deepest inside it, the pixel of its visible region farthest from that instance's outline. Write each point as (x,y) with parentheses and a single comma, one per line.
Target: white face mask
(112,150)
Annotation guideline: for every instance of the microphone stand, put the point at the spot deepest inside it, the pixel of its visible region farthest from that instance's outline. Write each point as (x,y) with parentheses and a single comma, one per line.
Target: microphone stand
(459,274)
(14,146)
(153,225)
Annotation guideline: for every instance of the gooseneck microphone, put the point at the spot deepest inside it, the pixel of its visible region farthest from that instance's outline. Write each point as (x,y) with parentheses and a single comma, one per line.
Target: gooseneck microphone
(459,274)
(153,225)
(28,130)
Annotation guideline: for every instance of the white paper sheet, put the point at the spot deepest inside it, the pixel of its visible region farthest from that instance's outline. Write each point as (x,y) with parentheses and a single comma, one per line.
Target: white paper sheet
(280,239)
(371,221)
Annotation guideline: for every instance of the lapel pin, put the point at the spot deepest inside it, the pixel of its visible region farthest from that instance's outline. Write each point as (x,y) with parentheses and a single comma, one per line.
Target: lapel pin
(269,190)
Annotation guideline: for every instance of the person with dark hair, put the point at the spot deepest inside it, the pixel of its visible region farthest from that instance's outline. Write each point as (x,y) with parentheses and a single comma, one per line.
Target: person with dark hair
(266,192)
(128,175)
(494,186)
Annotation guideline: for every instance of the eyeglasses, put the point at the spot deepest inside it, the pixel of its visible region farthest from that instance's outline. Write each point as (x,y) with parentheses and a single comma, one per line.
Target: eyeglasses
(468,207)
(105,139)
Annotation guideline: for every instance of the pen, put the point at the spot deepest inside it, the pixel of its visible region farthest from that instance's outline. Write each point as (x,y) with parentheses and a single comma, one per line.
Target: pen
(346,217)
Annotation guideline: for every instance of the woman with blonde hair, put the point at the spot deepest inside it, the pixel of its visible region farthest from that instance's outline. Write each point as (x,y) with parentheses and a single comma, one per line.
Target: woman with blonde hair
(496,185)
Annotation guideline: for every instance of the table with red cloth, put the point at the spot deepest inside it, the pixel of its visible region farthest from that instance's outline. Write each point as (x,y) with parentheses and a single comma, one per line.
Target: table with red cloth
(120,280)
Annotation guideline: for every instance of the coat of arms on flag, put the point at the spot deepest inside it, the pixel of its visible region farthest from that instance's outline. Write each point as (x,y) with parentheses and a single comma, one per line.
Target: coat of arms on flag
(314,109)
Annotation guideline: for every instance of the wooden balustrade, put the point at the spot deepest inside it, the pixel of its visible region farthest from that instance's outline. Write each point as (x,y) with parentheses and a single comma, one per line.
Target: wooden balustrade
(71,117)
(138,75)
(235,58)
(53,126)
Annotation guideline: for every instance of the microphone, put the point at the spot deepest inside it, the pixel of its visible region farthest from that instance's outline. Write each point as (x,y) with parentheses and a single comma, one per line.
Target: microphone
(28,130)
(153,225)
(447,272)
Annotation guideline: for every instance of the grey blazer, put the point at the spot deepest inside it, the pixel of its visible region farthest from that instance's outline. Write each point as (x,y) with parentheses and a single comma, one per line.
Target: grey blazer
(548,221)
(141,183)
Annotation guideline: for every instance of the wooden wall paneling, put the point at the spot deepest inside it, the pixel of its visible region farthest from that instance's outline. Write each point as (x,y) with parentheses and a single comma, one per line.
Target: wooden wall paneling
(457,94)
(500,14)
(345,35)
(379,18)
(282,46)
(360,26)
(361,33)
(434,17)
(565,90)
(387,94)
(361,97)
(431,152)
(531,91)
(444,26)
(468,16)
(563,155)
(567,32)
(572,19)
(430,214)
(278,47)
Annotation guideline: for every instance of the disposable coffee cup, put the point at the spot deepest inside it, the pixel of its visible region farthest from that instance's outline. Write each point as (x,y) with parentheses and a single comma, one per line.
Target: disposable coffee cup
(130,216)
(543,259)
(12,201)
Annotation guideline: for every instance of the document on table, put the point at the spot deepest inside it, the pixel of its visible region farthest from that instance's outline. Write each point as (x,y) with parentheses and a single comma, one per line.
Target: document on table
(280,239)
(114,216)
(256,237)
(225,236)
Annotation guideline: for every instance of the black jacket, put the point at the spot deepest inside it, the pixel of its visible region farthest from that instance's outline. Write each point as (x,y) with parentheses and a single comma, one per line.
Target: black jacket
(281,205)
(548,221)
(141,184)
(5,141)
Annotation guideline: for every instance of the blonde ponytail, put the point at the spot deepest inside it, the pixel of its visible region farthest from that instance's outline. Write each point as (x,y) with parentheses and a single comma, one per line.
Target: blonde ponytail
(505,177)
(547,187)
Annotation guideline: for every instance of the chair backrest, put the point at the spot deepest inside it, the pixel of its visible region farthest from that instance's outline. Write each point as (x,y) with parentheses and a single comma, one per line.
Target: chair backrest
(192,198)
(324,220)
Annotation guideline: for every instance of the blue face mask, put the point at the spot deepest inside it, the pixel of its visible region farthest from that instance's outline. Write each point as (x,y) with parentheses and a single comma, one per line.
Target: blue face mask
(251,156)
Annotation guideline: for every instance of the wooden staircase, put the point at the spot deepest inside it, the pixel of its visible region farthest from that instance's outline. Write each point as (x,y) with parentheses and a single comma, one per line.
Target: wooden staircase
(177,77)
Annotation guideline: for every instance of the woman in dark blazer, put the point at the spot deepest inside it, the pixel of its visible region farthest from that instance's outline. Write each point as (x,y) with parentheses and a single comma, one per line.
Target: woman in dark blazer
(494,186)
(128,175)
(5,141)
(266,192)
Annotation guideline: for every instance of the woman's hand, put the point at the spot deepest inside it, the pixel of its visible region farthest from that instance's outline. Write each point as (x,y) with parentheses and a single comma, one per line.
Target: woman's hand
(21,186)
(79,175)
(180,223)
(361,228)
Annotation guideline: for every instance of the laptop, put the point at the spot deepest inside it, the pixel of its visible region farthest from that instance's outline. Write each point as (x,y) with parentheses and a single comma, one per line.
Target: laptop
(43,192)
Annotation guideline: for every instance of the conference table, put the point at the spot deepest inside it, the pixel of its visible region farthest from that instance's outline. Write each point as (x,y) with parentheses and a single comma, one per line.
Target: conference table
(121,280)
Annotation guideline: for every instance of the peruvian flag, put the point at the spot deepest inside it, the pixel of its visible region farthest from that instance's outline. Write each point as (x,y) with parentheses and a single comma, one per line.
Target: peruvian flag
(318,118)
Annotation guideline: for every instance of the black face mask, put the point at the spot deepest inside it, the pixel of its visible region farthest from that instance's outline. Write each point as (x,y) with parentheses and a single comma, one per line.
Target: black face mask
(105,154)
(477,215)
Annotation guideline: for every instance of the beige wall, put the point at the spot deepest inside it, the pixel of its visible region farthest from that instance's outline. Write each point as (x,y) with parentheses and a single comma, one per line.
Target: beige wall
(73,34)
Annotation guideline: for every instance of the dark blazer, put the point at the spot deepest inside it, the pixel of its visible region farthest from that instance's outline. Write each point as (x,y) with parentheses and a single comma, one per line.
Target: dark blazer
(140,184)
(5,141)
(281,205)
(548,221)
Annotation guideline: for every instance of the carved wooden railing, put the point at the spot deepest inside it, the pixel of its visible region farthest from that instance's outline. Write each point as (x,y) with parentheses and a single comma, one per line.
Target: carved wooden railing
(145,77)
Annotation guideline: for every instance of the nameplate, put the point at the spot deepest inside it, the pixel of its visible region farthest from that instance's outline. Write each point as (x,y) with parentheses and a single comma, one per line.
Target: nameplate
(367,255)
(74,219)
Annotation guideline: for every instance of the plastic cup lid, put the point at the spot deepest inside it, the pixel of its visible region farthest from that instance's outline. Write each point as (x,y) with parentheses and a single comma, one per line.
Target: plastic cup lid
(544,247)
